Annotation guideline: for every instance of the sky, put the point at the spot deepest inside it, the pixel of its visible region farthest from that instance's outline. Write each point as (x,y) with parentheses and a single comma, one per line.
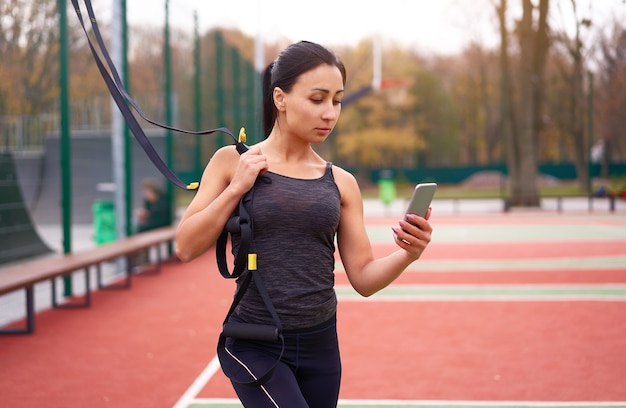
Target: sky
(429,26)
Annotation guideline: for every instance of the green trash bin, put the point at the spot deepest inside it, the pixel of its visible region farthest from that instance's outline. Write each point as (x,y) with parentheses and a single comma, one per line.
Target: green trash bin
(387,187)
(103,221)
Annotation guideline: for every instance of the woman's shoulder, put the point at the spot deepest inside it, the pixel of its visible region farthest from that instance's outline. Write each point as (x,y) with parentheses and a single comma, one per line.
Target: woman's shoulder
(228,152)
(224,157)
(221,165)
(339,172)
(346,182)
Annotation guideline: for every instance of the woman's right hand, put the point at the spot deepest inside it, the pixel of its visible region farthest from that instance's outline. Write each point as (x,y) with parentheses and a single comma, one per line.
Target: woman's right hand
(222,186)
(251,164)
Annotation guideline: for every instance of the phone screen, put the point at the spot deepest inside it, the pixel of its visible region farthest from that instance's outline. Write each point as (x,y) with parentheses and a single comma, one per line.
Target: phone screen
(420,200)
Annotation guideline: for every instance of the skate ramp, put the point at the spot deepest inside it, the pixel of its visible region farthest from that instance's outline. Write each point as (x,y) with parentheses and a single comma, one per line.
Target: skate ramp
(19,238)
(91,171)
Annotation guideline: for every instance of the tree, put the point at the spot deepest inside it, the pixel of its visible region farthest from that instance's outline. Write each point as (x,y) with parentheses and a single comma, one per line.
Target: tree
(573,74)
(375,131)
(436,116)
(29,73)
(526,108)
(610,99)
(475,92)
(28,38)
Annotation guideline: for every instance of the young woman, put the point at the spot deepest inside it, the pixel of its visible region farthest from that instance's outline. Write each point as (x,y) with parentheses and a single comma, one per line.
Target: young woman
(300,205)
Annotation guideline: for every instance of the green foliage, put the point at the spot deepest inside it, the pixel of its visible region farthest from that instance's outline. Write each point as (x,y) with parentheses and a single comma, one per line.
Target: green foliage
(436,118)
(617,186)
(460,191)
(28,46)
(378,147)
(449,117)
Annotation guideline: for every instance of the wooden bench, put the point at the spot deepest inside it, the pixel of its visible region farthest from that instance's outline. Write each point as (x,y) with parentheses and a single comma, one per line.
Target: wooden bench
(25,275)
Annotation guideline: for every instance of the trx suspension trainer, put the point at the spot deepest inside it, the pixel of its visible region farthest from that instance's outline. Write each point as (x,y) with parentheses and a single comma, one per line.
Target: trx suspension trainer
(242,223)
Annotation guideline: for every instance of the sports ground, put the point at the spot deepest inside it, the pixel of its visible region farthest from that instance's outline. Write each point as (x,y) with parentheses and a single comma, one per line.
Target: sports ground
(524,309)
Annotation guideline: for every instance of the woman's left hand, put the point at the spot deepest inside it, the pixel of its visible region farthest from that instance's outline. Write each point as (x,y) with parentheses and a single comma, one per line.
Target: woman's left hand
(413,234)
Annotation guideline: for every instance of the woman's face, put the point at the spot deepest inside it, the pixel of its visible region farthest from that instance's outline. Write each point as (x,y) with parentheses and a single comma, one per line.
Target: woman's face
(150,194)
(311,110)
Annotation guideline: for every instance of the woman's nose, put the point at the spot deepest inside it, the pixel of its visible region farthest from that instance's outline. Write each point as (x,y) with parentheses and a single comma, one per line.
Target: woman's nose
(331,112)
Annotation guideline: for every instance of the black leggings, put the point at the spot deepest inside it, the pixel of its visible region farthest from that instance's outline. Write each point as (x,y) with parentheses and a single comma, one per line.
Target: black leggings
(307,376)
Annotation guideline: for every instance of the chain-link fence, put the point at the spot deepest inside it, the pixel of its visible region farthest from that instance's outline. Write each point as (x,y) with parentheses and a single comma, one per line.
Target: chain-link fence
(25,133)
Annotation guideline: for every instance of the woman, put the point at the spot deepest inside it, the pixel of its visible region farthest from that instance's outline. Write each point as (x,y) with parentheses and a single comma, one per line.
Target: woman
(301,203)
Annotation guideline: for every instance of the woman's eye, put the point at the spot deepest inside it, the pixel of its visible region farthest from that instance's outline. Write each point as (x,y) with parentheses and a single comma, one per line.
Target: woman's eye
(317,100)
(337,102)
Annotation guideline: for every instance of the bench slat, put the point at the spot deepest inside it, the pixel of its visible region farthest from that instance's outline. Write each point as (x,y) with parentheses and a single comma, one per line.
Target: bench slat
(28,273)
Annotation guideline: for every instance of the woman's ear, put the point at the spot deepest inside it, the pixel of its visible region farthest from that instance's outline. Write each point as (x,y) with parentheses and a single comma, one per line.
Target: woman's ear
(279,99)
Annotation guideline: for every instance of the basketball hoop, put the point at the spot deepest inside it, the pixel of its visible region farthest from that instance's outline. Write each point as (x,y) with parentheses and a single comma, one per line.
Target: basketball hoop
(396,90)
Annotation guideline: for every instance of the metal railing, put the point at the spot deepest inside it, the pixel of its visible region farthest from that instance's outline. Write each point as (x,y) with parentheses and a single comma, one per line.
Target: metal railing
(27,133)
(21,133)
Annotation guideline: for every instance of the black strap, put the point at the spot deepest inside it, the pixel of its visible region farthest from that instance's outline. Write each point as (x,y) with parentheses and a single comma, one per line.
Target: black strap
(121,97)
(241,223)
(249,331)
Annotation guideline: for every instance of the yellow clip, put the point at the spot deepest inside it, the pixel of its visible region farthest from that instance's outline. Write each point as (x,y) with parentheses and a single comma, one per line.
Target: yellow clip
(252,262)
(193,186)
(242,135)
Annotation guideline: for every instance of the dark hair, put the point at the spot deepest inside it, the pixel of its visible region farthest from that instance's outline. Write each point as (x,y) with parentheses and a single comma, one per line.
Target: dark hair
(152,185)
(292,62)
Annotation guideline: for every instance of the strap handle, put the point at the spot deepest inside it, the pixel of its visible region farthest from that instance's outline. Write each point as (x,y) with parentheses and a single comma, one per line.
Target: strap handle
(255,331)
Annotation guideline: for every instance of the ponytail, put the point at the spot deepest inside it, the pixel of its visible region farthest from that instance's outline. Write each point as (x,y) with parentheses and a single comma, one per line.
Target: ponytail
(269,109)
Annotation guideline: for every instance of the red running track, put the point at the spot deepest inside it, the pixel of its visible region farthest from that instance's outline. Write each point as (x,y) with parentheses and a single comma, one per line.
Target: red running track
(144,347)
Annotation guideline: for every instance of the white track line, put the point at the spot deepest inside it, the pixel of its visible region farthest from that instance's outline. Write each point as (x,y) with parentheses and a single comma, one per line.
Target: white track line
(441,403)
(189,397)
(512,404)
(202,380)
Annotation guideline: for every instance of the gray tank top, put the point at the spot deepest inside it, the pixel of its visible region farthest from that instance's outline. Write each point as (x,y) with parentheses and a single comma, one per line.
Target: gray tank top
(295,222)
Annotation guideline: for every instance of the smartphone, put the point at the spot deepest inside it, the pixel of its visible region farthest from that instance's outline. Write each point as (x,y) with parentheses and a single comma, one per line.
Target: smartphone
(420,200)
